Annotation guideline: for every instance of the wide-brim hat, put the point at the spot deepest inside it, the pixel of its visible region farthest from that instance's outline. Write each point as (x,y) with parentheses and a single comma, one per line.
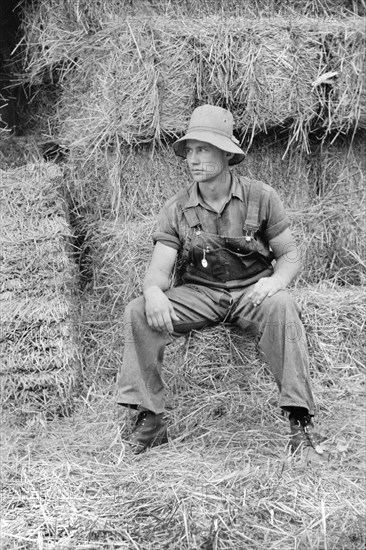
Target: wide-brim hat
(212,125)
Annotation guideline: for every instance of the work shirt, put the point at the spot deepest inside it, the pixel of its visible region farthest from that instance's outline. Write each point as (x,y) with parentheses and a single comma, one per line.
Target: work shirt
(218,252)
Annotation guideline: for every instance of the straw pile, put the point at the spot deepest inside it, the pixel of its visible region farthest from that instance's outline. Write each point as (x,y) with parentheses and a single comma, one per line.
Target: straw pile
(39,355)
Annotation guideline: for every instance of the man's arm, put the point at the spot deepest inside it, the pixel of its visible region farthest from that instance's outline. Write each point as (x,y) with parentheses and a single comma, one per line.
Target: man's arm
(159,311)
(288,265)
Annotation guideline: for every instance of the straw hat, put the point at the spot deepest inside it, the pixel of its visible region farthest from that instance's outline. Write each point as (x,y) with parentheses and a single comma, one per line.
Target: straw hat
(213,125)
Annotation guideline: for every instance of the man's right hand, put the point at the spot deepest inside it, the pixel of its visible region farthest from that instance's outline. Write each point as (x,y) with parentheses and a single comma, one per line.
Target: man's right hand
(159,310)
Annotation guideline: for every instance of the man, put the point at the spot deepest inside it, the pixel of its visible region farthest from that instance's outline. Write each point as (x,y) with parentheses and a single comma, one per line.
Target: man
(238,254)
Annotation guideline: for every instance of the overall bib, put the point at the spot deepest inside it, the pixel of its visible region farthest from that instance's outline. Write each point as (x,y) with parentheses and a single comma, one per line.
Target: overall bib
(217,259)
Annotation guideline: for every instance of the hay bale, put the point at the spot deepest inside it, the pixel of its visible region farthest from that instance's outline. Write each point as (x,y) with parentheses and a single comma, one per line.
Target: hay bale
(136,80)
(134,85)
(334,320)
(331,229)
(55,16)
(261,70)
(120,254)
(289,171)
(40,363)
(126,184)
(346,63)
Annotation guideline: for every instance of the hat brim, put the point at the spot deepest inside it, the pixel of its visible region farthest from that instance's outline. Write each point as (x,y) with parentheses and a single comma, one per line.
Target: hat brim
(221,142)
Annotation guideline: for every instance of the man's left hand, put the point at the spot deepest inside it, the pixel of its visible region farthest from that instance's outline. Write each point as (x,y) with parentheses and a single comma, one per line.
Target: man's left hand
(266,287)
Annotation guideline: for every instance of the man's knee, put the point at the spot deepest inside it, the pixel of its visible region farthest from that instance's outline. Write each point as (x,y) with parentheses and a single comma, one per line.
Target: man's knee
(135,309)
(284,317)
(282,301)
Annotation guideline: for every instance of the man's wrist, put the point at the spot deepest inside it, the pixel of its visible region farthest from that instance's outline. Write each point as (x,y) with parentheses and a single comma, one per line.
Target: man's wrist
(280,280)
(151,289)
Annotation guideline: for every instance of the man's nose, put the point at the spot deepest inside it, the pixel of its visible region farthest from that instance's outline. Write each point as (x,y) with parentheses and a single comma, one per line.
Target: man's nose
(193,158)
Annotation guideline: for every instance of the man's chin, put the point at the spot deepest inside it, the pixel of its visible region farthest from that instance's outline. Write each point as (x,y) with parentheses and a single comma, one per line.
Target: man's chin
(198,176)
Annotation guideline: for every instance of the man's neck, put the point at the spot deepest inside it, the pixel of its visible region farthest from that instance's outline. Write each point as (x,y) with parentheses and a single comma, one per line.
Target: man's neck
(216,191)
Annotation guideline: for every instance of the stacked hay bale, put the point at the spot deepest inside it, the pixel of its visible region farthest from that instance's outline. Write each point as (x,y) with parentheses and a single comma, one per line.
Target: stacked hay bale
(39,358)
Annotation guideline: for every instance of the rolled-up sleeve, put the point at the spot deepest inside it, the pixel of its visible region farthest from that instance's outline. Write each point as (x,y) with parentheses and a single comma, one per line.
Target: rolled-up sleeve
(166,230)
(274,215)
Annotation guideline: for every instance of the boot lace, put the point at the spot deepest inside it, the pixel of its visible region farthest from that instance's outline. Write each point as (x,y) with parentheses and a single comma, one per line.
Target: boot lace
(303,431)
(140,422)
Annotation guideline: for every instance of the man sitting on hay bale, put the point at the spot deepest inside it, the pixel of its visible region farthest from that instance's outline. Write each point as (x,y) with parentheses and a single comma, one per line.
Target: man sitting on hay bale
(227,231)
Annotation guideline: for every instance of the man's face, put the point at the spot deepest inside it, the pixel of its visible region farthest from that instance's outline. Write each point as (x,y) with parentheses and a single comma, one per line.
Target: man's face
(205,161)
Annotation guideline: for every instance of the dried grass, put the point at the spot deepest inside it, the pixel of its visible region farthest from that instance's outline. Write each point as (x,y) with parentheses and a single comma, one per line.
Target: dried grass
(224,480)
(40,363)
(72,15)
(132,85)
(262,71)
(331,230)
(346,61)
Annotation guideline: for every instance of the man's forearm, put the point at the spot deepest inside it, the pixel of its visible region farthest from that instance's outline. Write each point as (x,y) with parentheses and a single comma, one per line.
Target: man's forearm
(286,270)
(156,281)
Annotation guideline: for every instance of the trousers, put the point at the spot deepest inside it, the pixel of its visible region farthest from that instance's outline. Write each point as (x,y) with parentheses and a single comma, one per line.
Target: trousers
(276,322)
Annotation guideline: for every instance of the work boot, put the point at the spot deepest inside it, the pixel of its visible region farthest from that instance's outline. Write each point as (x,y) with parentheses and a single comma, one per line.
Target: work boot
(303,441)
(149,431)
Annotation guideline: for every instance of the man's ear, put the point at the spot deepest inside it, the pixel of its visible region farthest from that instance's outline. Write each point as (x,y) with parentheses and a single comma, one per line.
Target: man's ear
(229,155)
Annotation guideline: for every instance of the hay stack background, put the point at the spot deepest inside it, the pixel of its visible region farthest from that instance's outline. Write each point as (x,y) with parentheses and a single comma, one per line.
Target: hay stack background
(40,362)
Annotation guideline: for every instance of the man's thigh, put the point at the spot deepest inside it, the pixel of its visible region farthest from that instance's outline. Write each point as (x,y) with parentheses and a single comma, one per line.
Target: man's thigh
(280,306)
(197,306)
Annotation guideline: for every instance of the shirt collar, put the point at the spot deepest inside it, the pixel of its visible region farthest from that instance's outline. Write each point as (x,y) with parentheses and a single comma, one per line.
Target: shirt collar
(194,198)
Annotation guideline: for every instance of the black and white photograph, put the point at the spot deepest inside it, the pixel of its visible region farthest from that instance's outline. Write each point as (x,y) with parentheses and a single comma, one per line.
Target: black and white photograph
(183,274)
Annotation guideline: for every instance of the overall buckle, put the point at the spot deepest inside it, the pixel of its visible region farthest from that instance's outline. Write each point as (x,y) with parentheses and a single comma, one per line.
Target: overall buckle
(249,234)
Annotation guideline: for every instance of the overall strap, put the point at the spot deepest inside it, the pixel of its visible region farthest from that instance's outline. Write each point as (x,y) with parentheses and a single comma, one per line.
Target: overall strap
(192,219)
(191,216)
(189,212)
(251,224)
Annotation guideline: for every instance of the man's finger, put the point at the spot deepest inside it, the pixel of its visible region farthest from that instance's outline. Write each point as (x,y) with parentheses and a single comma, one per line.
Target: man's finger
(174,316)
(168,323)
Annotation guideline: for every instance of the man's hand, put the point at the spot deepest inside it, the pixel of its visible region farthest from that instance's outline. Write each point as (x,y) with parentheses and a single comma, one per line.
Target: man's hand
(265,287)
(159,310)
(285,270)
